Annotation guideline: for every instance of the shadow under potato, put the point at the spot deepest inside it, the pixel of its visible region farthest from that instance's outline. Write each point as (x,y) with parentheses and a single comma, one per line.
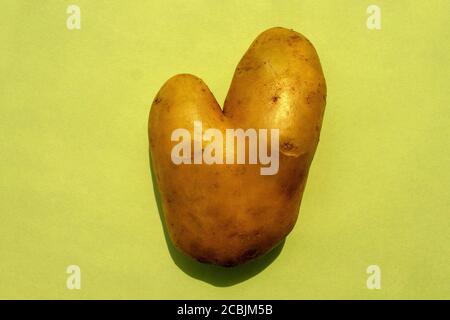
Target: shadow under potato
(213,274)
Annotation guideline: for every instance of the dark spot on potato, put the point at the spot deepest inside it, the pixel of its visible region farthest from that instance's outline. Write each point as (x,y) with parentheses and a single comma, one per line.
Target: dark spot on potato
(228,263)
(195,219)
(157,100)
(287,146)
(249,254)
(244,68)
(289,190)
(232,234)
(275,99)
(308,100)
(202,259)
(203,90)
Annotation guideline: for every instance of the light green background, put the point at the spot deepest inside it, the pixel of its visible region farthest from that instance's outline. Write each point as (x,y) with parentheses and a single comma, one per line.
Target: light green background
(75,186)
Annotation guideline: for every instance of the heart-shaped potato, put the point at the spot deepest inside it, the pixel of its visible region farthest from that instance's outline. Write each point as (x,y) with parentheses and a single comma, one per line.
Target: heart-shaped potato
(227,214)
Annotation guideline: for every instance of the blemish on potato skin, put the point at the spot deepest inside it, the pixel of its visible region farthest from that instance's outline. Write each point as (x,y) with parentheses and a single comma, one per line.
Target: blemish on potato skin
(157,100)
(229,263)
(233,234)
(317,128)
(243,69)
(202,260)
(275,99)
(195,220)
(293,40)
(249,254)
(289,190)
(296,37)
(206,255)
(287,146)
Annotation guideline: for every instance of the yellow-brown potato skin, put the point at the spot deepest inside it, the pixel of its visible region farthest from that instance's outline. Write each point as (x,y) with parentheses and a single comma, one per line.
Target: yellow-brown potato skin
(228,214)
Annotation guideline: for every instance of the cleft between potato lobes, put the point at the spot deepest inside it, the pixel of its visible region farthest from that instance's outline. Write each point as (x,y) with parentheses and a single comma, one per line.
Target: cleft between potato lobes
(230,213)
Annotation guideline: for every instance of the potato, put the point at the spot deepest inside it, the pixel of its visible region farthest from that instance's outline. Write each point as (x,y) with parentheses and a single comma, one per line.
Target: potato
(227,214)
